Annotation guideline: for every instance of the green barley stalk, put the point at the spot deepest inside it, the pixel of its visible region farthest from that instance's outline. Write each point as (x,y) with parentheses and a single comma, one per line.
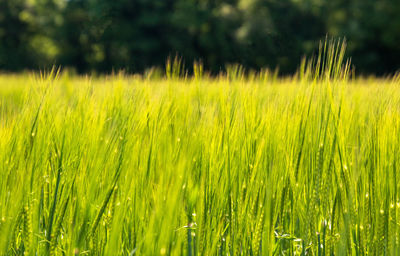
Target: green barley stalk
(27,228)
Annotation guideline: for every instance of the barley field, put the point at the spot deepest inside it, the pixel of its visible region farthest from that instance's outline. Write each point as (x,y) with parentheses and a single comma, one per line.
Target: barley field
(243,163)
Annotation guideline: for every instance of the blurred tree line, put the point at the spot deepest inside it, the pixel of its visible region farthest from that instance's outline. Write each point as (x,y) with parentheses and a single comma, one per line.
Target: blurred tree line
(105,35)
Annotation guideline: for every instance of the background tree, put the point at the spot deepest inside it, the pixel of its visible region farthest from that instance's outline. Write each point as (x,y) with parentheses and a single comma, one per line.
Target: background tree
(15,34)
(106,35)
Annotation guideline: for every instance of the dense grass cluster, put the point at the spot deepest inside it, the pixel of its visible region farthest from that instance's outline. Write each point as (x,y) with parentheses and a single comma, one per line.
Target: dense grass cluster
(230,165)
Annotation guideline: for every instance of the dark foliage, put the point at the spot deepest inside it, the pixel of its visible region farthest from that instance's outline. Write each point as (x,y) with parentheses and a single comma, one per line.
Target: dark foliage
(106,35)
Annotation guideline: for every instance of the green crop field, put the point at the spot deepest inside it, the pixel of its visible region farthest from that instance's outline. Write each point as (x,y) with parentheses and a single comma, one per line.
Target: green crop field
(242,163)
